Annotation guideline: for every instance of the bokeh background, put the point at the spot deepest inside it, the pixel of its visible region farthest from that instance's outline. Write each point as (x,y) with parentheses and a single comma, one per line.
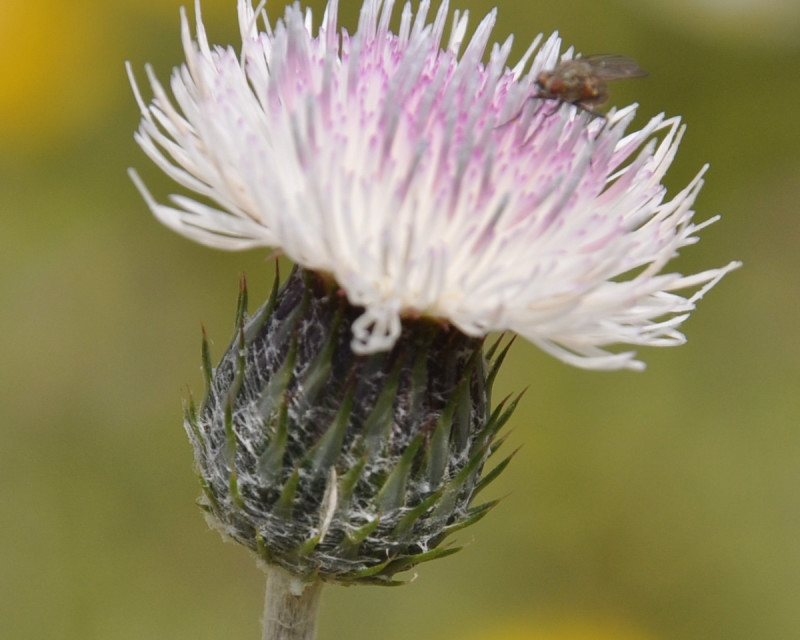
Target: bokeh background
(662,505)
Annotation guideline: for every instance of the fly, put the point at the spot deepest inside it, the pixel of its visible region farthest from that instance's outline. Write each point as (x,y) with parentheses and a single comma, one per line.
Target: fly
(582,81)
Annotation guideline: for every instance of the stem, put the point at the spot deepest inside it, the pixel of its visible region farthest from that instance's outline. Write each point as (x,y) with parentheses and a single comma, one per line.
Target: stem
(290,606)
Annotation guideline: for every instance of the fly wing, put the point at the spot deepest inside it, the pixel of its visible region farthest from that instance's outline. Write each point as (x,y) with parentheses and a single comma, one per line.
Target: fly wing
(613,67)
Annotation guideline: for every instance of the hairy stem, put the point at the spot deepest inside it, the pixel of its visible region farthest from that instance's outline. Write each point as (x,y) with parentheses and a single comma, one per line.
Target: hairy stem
(290,607)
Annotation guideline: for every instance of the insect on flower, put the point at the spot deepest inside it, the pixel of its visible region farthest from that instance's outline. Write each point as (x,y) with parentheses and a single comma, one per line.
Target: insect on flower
(408,169)
(582,81)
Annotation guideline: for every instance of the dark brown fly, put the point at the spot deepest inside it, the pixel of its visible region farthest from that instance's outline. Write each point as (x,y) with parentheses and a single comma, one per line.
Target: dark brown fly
(582,81)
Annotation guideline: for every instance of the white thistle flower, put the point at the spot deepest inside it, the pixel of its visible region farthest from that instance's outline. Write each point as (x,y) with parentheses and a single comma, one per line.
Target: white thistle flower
(426,182)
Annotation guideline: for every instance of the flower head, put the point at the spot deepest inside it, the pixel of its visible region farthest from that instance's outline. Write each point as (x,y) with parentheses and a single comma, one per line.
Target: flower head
(427,182)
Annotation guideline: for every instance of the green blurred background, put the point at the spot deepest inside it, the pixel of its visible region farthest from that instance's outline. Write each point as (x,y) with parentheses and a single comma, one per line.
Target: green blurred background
(653,506)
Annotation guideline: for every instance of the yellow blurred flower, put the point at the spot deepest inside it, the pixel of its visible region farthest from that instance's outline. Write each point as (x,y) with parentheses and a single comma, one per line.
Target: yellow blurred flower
(53,70)
(61,64)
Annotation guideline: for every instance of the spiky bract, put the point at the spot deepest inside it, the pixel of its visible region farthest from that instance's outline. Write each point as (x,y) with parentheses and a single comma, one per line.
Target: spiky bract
(340,466)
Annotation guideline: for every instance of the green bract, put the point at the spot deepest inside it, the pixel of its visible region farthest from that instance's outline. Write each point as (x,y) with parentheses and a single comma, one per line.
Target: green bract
(338,466)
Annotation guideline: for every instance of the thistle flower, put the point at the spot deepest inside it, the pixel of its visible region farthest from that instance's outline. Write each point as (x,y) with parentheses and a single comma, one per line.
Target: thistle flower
(427,198)
(427,183)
